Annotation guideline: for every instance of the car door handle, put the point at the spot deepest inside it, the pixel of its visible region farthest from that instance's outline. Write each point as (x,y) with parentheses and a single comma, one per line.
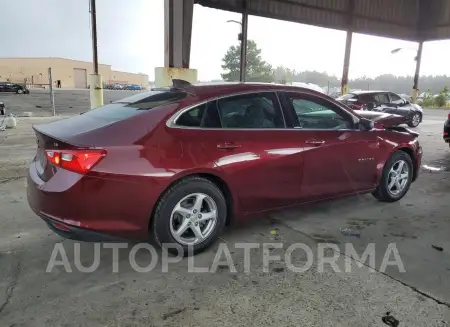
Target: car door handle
(228,146)
(315,142)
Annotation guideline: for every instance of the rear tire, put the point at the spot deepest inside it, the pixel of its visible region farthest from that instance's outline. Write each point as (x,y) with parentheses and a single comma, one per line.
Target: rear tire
(396,178)
(415,120)
(174,212)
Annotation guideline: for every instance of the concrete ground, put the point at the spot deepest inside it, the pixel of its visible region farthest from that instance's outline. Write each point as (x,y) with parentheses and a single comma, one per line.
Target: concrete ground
(30,296)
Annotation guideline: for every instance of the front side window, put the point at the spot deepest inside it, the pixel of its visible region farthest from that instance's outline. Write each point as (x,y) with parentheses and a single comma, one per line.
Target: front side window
(311,112)
(381,98)
(257,110)
(396,99)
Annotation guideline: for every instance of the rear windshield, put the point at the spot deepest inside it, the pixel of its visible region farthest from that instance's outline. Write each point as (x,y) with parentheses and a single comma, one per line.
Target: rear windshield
(346,97)
(135,104)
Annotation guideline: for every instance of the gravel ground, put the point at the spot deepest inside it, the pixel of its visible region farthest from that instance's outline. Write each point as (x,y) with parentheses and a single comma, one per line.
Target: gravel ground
(30,296)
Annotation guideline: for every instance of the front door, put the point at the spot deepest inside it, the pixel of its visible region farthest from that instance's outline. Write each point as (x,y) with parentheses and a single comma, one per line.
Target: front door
(400,106)
(246,138)
(338,158)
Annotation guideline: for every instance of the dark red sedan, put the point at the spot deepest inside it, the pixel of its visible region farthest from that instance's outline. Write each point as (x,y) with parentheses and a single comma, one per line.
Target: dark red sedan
(178,164)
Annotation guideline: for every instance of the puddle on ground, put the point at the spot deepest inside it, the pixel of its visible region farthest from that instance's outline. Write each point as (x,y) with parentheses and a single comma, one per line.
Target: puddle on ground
(434,168)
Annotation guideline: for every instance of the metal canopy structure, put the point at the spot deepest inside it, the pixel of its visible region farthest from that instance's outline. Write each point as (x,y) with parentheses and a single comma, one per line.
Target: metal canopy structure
(412,20)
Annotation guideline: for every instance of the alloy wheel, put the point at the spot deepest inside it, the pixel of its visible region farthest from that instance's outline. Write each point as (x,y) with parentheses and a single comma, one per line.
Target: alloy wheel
(398,177)
(415,120)
(193,219)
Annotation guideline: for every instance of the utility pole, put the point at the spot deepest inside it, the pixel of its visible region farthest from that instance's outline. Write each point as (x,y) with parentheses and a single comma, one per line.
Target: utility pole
(95,84)
(243,36)
(94,35)
(418,59)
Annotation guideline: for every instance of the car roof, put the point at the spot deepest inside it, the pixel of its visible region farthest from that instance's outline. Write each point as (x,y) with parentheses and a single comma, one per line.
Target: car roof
(220,88)
(368,92)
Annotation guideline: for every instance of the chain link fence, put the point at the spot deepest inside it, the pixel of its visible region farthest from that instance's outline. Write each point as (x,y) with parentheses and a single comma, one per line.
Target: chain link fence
(47,98)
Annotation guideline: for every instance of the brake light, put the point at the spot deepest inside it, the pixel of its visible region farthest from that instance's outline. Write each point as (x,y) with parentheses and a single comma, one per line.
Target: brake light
(448,116)
(78,161)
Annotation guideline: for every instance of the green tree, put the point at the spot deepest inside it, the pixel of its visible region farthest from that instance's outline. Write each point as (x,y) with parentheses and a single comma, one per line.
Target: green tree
(443,97)
(283,75)
(257,69)
(428,99)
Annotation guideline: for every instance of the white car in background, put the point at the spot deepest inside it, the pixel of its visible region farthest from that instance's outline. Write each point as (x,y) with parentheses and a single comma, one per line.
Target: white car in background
(311,86)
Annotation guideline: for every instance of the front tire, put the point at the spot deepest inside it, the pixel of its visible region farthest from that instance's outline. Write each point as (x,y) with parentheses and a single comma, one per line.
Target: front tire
(415,120)
(396,178)
(190,216)
(19,91)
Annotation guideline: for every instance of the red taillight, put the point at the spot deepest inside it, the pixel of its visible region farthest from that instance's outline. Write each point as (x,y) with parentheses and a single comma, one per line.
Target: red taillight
(79,161)
(448,116)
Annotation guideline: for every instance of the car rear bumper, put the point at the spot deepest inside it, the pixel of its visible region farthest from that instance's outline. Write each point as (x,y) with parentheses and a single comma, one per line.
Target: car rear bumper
(91,208)
(78,234)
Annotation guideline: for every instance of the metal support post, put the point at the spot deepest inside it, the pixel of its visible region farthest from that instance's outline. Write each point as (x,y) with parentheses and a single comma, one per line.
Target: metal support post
(52,92)
(415,92)
(348,47)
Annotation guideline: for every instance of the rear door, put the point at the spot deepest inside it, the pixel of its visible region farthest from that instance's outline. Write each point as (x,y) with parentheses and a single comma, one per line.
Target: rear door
(246,137)
(338,157)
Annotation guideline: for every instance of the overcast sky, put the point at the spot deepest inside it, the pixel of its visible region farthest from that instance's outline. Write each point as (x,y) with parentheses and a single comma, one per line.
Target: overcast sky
(131,38)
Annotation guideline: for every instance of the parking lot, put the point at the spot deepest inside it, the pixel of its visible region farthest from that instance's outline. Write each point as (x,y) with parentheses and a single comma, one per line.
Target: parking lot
(420,296)
(67,102)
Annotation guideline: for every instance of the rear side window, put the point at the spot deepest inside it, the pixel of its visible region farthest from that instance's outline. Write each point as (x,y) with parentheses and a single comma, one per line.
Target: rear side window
(204,115)
(382,98)
(366,98)
(192,117)
(135,105)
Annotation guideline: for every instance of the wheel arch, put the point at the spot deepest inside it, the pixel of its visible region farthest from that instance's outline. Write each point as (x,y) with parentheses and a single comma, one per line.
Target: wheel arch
(411,154)
(230,198)
(409,151)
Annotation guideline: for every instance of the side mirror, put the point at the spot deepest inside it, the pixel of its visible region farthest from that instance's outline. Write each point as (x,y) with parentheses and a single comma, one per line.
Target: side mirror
(366,124)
